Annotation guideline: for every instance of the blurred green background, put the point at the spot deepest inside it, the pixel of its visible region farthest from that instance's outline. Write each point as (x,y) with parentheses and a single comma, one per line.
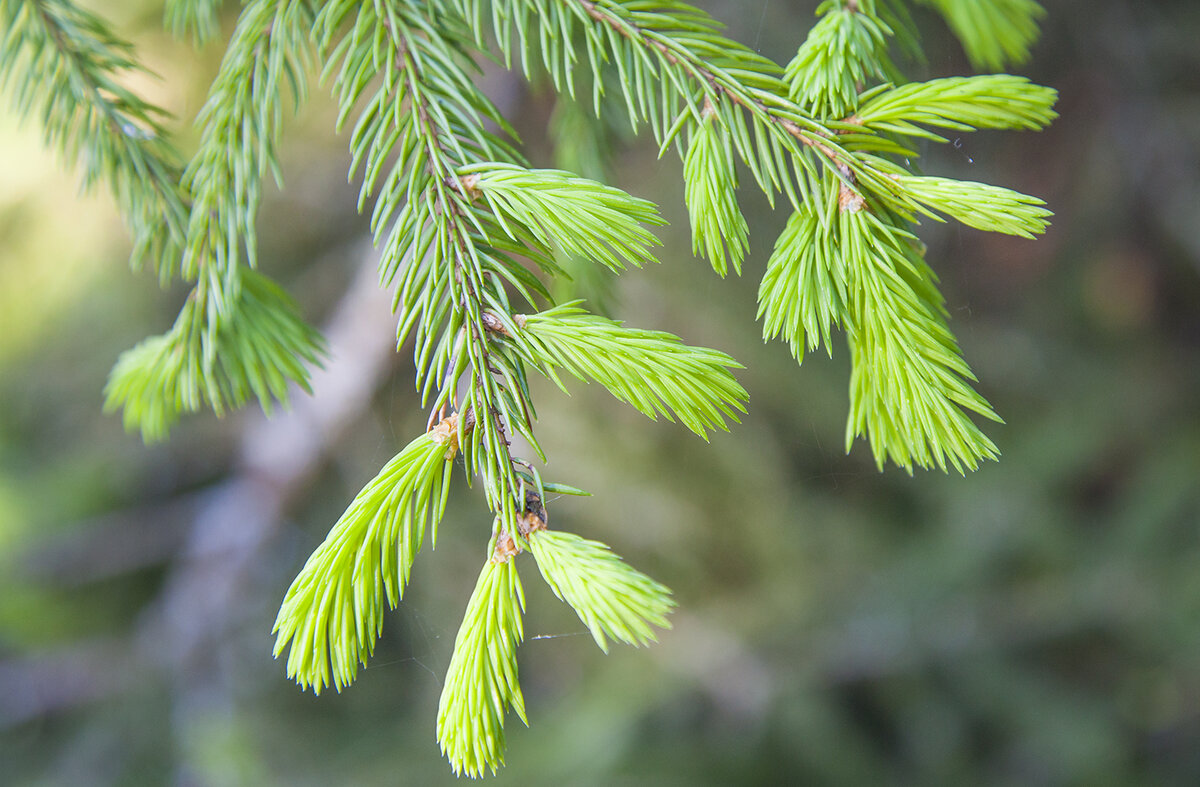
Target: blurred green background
(1036,623)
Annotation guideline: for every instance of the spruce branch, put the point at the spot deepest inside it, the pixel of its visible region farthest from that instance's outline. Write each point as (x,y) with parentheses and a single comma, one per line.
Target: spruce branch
(850,261)
(388,43)
(468,229)
(670,59)
(65,67)
(452,272)
(333,612)
(453,246)
(88,114)
(224,345)
(267,56)
(433,126)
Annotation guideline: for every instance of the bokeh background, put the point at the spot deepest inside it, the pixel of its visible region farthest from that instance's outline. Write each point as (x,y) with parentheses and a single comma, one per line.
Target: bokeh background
(1035,623)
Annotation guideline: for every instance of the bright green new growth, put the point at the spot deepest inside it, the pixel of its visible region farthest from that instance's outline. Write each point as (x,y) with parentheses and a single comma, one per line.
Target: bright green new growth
(613,600)
(333,612)
(580,217)
(851,261)
(959,103)
(845,49)
(803,292)
(471,240)
(481,683)
(719,230)
(902,351)
(994,32)
(979,205)
(259,355)
(651,370)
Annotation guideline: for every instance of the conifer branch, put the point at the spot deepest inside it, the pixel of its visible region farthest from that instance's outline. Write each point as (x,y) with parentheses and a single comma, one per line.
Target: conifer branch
(451,252)
(240,124)
(849,261)
(224,344)
(438,252)
(457,247)
(65,68)
(467,229)
(670,60)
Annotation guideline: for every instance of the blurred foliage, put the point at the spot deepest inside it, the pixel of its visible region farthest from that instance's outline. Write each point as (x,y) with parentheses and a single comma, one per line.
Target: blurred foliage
(1037,622)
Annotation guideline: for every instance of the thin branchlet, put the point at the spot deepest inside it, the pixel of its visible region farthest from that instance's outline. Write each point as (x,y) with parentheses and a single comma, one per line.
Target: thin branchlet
(485,395)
